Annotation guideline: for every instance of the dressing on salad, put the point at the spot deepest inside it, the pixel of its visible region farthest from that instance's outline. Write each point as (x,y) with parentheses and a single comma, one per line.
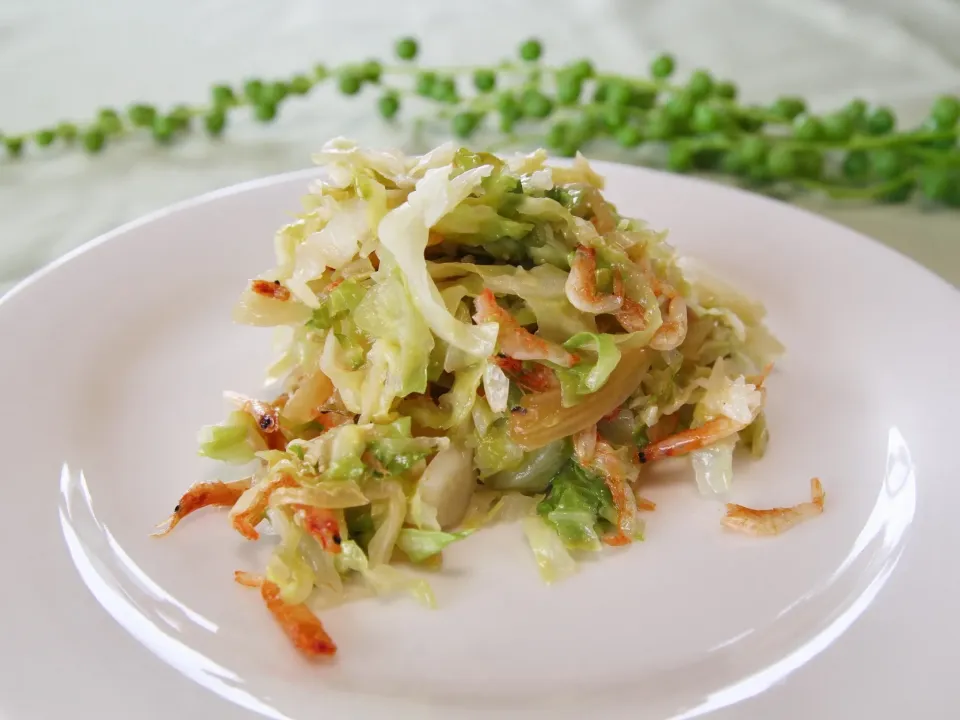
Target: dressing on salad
(464,338)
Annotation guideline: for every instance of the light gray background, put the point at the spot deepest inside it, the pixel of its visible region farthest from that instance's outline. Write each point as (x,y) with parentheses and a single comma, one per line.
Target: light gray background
(64,59)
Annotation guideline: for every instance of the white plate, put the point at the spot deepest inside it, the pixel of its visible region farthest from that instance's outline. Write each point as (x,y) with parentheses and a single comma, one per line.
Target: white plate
(113,357)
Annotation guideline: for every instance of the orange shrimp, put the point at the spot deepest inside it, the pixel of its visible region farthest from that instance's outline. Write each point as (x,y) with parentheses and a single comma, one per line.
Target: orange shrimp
(515,341)
(689,440)
(774,521)
(758,380)
(301,626)
(202,495)
(270,289)
(585,445)
(322,524)
(645,504)
(266,415)
(537,378)
(246,521)
(673,331)
(611,467)
(581,285)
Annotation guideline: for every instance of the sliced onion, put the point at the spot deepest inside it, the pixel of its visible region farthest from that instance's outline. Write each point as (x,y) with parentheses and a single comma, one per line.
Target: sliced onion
(543,418)
(309,397)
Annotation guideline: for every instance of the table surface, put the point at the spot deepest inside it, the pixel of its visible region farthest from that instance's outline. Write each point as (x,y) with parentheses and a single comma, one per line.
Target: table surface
(64,59)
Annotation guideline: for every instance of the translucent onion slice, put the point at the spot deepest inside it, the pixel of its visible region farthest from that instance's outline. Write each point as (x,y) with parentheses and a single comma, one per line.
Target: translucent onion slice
(543,419)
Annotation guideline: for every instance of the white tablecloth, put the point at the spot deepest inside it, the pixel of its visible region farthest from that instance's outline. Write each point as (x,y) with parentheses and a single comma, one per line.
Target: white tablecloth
(65,59)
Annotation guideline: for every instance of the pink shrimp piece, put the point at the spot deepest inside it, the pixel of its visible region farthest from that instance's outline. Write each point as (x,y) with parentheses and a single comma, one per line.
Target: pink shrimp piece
(585,445)
(581,285)
(615,477)
(515,341)
(300,625)
(538,378)
(322,524)
(203,495)
(687,441)
(246,521)
(774,521)
(674,329)
(631,316)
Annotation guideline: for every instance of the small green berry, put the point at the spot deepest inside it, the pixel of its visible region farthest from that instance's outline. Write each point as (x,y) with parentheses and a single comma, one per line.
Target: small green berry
(856,165)
(706,119)
(886,164)
(582,69)
(946,111)
(660,125)
(855,110)
(484,80)
(45,138)
(880,121)
(725,89)
(388,105)
(662,66)
(643,98)
(838,127)
(557,135)
(67,132)
(142,115)
(162,129)
(275,93)
(752,151)
(265,112)
(445,90)
(14,146)
(614,116)
(406,48)
(629,136)
(782,162)
(300,85)
(808,128)
(320,72)
(537,105)
(788,108)
(464,124)
(509,108)
(680,106)
(215,121)
(109,121)
(680,157)
(348,82)
(252,90)
(600,91)
(618,93)
(371,71)
(569,87)
(94,139)
(180,118)
(222,96)
(531,50)
(748,121)
(733,163)
(425,82)
(700,84)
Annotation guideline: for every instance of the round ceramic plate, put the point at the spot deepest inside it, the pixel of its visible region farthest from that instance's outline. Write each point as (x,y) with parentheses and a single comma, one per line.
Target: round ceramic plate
(114,356)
